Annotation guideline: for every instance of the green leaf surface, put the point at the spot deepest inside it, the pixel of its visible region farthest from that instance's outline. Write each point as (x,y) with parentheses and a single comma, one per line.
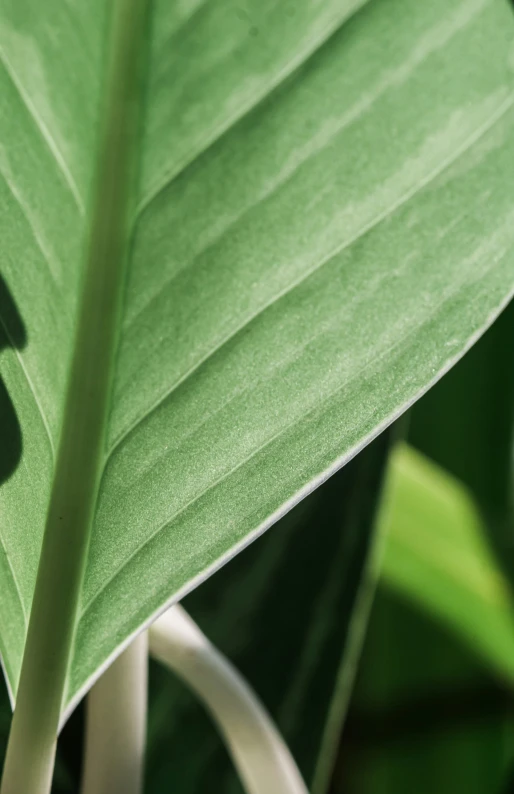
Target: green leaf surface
(324,223)
(437,555)
(290,613)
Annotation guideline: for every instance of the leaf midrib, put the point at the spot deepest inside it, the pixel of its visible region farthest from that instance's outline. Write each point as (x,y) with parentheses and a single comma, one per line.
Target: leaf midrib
(61,566)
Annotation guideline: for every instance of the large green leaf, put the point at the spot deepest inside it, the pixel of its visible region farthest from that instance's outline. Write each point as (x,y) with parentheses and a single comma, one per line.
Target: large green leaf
(437,555)
(324,223)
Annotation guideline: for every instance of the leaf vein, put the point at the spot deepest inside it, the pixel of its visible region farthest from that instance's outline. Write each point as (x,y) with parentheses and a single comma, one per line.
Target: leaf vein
(492,119)
(311,411)
(44,132)
(301,59)
(16,585)
(35,233)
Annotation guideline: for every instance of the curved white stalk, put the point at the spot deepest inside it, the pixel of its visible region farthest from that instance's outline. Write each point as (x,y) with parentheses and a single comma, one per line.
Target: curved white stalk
(260,755)
(116,725)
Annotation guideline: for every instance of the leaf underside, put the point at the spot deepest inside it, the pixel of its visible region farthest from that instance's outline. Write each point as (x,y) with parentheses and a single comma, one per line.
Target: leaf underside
(324,224)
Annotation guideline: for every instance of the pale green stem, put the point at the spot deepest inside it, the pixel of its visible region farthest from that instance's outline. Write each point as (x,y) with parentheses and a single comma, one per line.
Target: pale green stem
(116,725)
(31,747)
(259,753)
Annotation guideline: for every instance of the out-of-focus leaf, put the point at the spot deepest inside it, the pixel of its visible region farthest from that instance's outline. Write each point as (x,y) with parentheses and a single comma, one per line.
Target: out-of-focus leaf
(466,424)
(427,716)
(290,612)
(437,554)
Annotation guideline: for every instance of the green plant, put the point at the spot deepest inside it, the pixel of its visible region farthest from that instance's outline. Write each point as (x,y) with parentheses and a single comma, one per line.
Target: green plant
(239,241)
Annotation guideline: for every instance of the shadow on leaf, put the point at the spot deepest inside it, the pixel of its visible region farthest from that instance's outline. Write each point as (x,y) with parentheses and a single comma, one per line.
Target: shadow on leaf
(12,335)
